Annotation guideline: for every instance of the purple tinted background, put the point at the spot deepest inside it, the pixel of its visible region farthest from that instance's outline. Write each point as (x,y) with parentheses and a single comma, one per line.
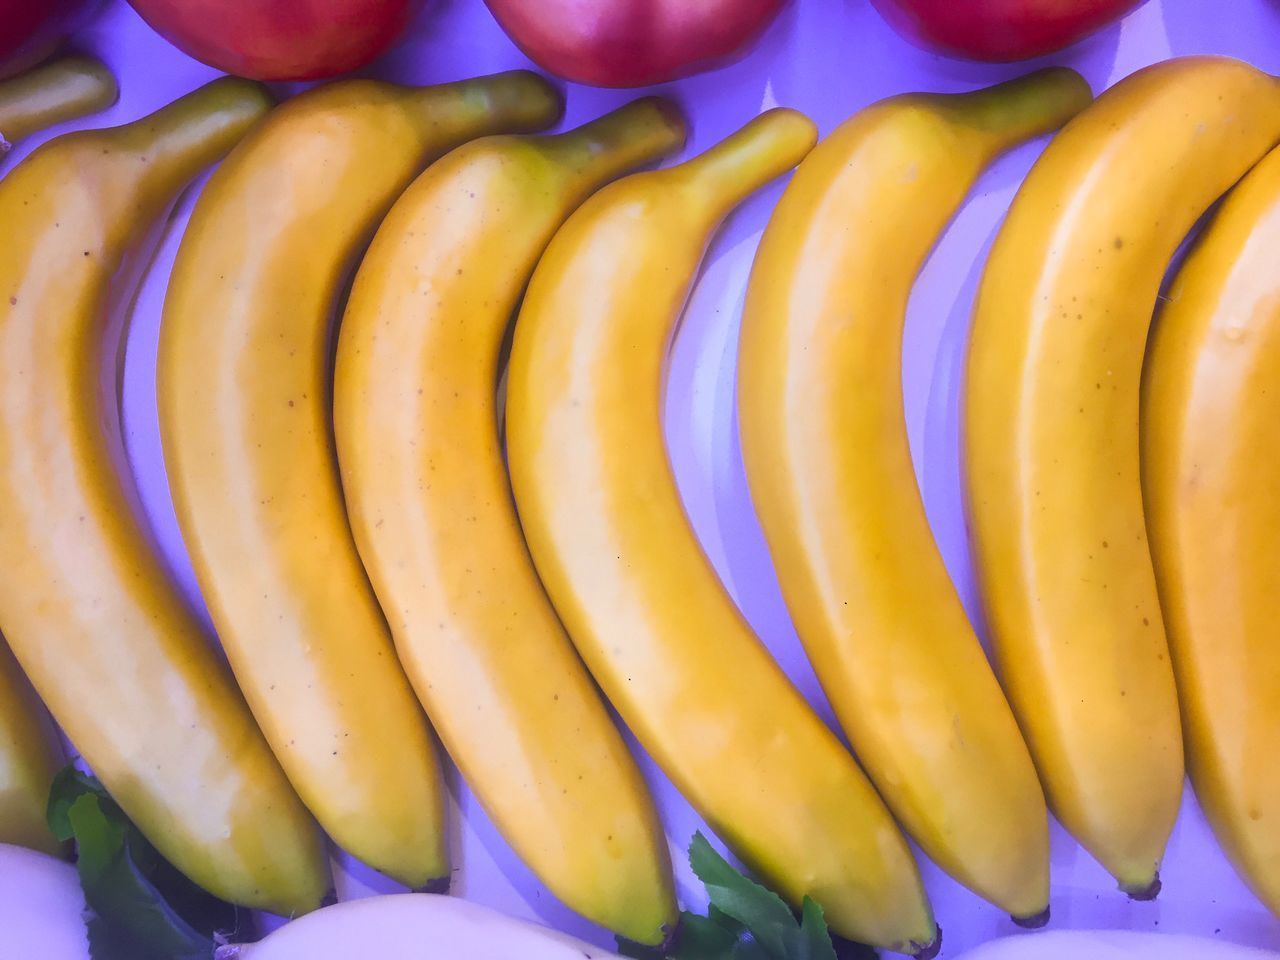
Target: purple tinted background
(828,58)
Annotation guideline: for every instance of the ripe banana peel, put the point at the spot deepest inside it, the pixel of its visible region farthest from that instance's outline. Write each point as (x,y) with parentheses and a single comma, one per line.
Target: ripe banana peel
(61,90)
(87,605)
(620,560)
(30,757)
(825,445)
(1211,478)
(1052,448)
(416,418)
(244,402)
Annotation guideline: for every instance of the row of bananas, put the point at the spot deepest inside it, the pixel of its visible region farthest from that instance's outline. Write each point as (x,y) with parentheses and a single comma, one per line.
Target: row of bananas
(366,551)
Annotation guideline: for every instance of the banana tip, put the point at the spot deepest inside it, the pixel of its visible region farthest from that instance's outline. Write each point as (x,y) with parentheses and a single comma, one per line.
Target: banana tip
(440,885)
(670,931)
(1143,892)
(930,949)
(1034,921)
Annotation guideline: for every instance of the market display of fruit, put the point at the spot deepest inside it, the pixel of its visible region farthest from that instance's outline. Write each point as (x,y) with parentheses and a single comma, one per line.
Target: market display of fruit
(414,353)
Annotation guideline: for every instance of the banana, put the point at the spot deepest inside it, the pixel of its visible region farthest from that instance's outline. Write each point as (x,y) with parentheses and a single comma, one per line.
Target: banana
(1210,467)
(824,440)
(30,757)
(1052,452)
(620,561)
(244,402)
(415,413)
(60,90)
(413,927)
(86,603)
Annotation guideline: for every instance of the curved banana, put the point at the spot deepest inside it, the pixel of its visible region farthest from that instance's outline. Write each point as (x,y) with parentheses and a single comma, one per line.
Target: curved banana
(30,757)
(1211,478)
(1051,421)
(415,413)
(86,603)
(824,439)
(244,402)
(61,90)
(621,563)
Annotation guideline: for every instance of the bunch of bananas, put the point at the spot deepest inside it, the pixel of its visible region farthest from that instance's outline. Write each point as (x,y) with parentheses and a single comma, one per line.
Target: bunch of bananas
(367,551)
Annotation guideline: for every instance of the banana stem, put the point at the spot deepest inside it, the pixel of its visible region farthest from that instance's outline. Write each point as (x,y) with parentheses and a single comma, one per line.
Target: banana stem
(765,148)
(198,129)
(640,132)
(1025,107)
(517,101)
(57,91)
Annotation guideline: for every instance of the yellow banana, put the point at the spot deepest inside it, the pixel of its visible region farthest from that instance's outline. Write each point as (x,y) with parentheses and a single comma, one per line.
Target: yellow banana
(825,444)
(417,430)
(86,603)
(622,564)
(30,756)
(1053,485)
(60,90)
(244,403)
(1211,477)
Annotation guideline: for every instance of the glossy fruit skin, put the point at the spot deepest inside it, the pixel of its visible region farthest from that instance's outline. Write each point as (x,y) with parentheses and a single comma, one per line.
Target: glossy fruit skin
(89,609)
(643,604)
(1000,30)
(245,406)
(281,39)
(417,423)
(824,440)
(30,30)
(1211,479)
(52,93)
(30,757)
(1051,448)
(632,43)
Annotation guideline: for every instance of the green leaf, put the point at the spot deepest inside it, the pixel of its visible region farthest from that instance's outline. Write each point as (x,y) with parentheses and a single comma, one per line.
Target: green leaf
(716,915)
(813,929)
(68,786)
(118,893)
(749,948)
(760,910)
(141,907)
(703,938)
(746,921)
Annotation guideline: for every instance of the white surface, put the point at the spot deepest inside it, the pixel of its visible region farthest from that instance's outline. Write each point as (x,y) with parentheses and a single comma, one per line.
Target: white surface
(828,58)
(41,908)
(414,927)
(1113,945)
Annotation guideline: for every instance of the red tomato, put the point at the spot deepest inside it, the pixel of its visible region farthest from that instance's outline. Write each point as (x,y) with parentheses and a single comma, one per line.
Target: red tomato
(632,43)
(281,39)
(1000,30)
(30,30)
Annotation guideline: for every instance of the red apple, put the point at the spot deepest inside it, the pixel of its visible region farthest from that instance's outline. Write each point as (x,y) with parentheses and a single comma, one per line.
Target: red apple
(632,43)
(281,39)
(30,30)
(1000,30)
